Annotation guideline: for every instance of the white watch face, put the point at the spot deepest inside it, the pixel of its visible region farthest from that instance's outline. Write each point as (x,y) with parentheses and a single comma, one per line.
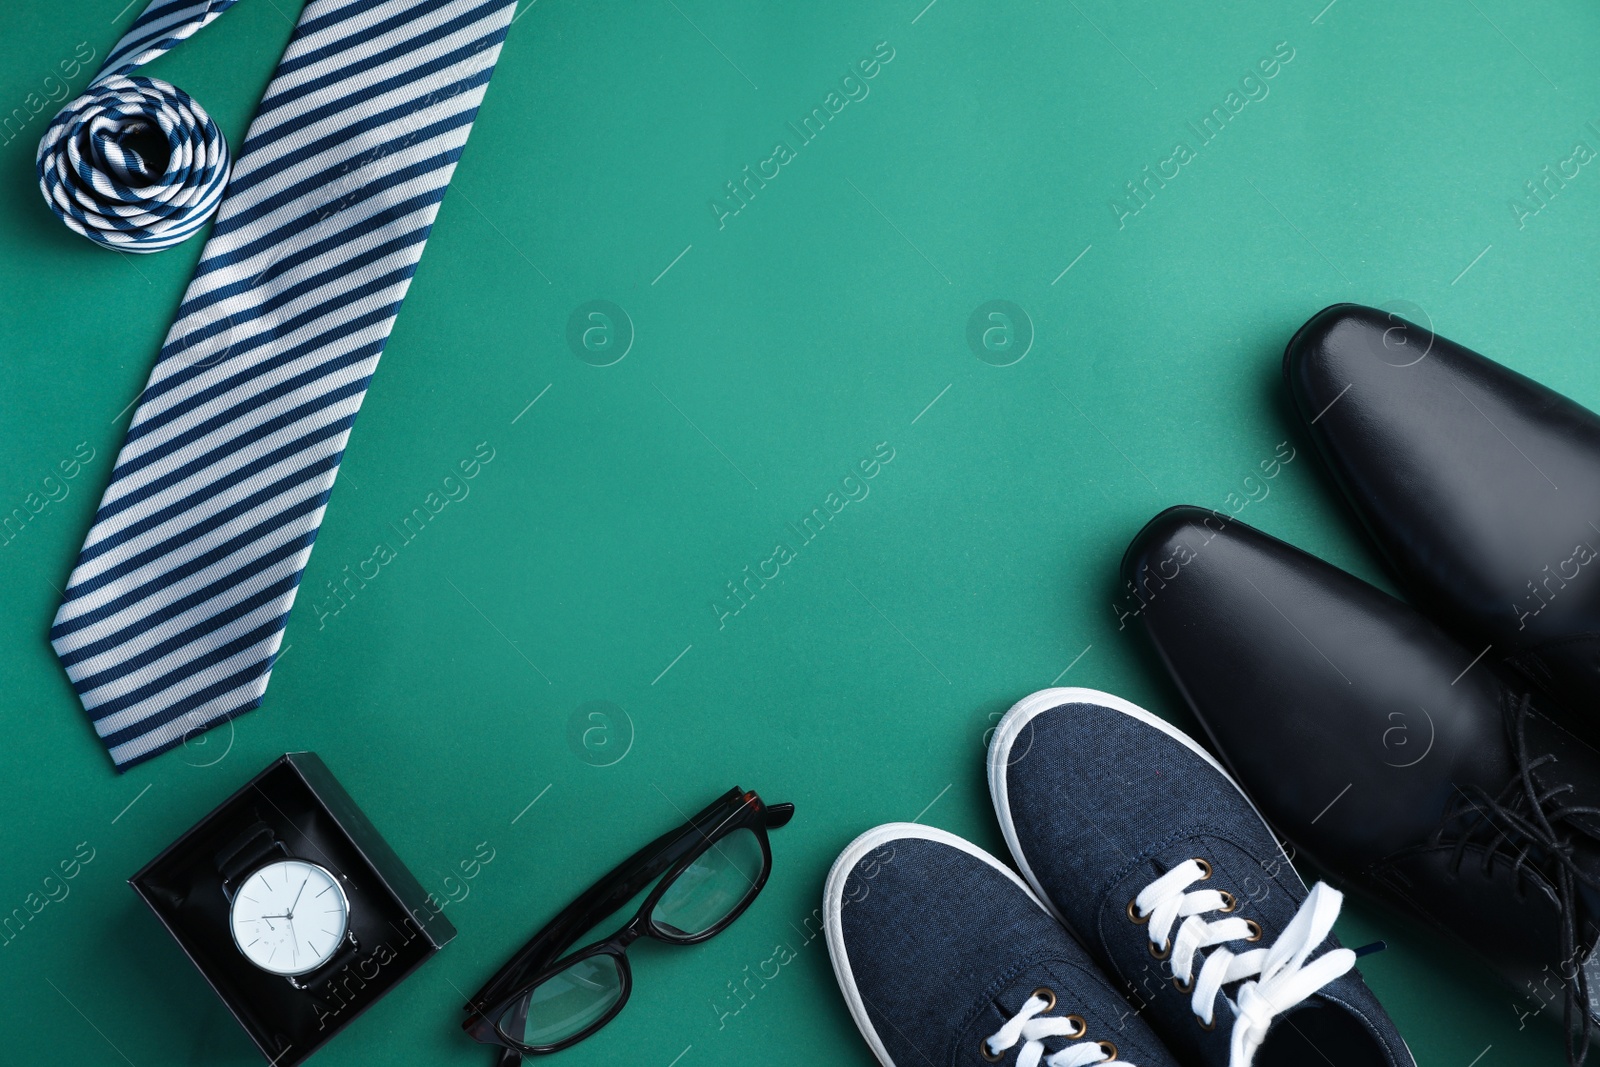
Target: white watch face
(289,917)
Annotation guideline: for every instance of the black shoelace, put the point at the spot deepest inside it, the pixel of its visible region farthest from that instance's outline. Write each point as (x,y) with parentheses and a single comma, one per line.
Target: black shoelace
(1530,821)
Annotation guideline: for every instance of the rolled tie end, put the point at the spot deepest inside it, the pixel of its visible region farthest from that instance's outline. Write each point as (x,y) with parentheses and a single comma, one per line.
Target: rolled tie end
(133,164)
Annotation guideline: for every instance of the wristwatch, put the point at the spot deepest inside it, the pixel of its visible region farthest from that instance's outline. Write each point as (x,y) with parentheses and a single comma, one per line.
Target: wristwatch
(288,916)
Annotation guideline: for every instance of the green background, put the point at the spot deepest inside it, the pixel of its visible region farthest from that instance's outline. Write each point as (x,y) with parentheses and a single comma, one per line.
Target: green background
(770,356)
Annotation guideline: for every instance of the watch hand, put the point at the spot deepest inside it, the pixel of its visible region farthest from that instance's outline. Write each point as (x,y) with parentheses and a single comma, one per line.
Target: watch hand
(294,939)
(297,895)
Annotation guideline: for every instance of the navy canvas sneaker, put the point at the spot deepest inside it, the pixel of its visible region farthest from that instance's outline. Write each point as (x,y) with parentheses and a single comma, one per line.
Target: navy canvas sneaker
(947,960)
(1147,850)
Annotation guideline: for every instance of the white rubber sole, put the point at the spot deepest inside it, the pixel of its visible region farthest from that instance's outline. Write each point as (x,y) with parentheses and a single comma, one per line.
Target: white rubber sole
(1025,711)
(833,904)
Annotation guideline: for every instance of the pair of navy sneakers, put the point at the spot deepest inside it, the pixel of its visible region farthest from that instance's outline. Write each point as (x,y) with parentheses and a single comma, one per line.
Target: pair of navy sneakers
(1160,923)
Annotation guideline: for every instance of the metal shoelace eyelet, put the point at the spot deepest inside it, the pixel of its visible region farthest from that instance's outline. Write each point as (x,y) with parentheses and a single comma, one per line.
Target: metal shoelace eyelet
(1212,1025)
(1163,952)
(1045,993)
(1133,913)
(1230,898)
(1257,928)
(1108,1048)
(1204,867)
(1182,986)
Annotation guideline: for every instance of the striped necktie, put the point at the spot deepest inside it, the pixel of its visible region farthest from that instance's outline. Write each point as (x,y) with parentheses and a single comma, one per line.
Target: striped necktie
(176,607)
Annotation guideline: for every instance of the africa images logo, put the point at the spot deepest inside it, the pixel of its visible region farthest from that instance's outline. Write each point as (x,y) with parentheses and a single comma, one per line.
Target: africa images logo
(852,488)
(1253,88)
(853,87)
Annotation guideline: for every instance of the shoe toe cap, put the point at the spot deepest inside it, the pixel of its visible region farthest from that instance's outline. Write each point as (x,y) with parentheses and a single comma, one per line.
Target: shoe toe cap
(935,943)
(1345,344)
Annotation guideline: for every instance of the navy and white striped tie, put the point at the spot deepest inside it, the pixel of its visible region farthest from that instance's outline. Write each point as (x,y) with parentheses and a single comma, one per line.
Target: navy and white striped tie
(176,607)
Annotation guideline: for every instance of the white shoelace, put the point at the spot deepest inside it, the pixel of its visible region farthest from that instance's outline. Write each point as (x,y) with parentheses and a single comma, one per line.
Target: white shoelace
(1284,978)
(1031,1026)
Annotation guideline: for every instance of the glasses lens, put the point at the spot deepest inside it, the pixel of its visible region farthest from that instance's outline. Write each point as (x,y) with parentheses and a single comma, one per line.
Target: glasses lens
(712,887)
(564,1004)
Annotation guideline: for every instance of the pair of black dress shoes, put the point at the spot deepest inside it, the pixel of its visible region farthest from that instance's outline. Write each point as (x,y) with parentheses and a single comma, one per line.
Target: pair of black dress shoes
(1437,757)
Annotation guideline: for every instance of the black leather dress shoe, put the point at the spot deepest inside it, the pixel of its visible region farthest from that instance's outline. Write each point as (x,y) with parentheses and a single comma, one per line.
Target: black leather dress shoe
(1481,488)
(1364,735)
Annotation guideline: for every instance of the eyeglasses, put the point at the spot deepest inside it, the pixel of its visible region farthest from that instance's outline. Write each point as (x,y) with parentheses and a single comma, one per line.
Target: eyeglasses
(546,999)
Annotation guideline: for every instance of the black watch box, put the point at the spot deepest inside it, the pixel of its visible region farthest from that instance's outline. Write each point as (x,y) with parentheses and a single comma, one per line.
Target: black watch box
(396,924)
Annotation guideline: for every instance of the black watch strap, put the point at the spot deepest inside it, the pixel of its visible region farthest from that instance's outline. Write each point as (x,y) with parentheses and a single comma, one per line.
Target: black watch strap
(245,852)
